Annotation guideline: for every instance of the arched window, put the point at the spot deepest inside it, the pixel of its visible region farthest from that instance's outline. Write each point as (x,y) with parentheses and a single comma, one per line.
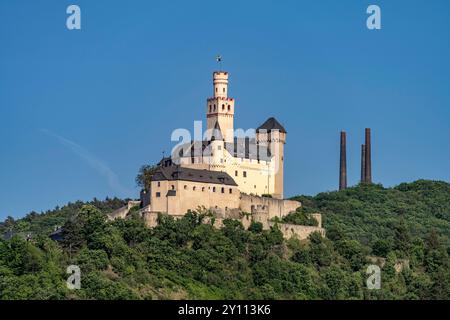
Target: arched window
(229,107)
(223,190)
(223,107)
(223,89)
(173,187)
(231,190)
(185,187)
(203,189)
(214,107)
(214,189)
(210,108)
(194,188)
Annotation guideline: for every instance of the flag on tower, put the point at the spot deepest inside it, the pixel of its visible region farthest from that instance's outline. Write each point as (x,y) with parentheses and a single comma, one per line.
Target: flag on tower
(219,58)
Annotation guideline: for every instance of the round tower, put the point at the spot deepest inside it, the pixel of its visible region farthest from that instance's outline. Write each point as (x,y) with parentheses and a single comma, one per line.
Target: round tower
(220,108)
(220,81)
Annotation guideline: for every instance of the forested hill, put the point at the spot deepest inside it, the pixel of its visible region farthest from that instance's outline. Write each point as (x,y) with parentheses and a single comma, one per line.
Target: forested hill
(188,259)
(371,213)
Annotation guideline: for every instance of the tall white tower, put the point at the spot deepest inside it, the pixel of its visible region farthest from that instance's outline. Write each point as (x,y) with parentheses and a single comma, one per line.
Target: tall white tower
(220,108)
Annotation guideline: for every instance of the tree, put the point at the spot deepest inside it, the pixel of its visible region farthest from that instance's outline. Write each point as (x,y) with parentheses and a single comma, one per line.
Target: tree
(145,175)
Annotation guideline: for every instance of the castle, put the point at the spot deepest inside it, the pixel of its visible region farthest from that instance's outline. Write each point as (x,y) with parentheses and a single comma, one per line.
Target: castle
(230,173)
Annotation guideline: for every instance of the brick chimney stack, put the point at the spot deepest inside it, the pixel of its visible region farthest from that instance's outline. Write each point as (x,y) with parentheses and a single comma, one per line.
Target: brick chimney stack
(363,163)
(343,162)
(367,159)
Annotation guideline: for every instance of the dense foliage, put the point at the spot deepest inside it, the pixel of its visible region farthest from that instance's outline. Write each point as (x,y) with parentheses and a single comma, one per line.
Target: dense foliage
(187,258)
(302,216)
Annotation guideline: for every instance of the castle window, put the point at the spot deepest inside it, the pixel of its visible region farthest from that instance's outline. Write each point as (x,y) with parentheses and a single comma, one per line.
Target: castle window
(158,194)
(214,189)
(223,190)
(245,174)
(223,107)
(223,89)
(236,173)
(219,148)
(185,187)
(173,187)
(203,189)
(210,108)
(216,89)
(159,184)
(194,188)
(231,190)
(255,186)
(229,108)
(226,208)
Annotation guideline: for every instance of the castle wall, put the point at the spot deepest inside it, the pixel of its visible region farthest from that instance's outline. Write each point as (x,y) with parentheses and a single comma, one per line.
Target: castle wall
(191,195)
(297,231)
(121,213)
(275,207)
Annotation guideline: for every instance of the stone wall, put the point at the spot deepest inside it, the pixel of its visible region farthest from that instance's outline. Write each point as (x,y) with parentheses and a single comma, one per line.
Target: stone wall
(274,207)
(123,212)
(257,209)
(297,231)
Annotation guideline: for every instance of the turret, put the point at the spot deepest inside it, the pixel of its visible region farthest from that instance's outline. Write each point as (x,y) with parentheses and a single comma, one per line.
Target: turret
(272,135)
(220,108)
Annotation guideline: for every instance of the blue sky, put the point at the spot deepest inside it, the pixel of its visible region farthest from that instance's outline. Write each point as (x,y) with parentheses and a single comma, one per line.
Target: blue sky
(81,111)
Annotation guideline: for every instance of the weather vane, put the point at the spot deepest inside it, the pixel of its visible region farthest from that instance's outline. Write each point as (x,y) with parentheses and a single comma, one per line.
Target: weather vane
(219,61)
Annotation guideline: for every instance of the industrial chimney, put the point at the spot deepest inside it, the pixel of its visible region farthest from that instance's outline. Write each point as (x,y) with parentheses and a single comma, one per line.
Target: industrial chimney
(367,159)
(363,163)
(343,162)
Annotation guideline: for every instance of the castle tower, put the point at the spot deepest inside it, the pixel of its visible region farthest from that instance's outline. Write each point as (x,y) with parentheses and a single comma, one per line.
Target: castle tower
(271,134)
(220,108)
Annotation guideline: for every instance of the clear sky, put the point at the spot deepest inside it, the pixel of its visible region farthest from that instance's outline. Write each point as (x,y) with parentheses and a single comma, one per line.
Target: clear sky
(81,111)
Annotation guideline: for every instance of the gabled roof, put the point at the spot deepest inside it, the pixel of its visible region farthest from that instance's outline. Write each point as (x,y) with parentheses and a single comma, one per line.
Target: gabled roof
(271,124)
(173,173)
(216,132)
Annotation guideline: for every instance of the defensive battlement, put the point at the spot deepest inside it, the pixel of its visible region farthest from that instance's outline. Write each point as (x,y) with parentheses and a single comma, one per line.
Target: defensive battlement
(220,98)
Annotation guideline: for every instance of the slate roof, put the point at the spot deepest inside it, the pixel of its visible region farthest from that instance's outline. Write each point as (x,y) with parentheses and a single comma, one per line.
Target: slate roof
(216,132)
(173,173)
(248,148)
(272,124)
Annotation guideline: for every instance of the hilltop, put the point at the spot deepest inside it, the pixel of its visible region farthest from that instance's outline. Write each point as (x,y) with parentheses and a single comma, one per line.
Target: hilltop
(188,259)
